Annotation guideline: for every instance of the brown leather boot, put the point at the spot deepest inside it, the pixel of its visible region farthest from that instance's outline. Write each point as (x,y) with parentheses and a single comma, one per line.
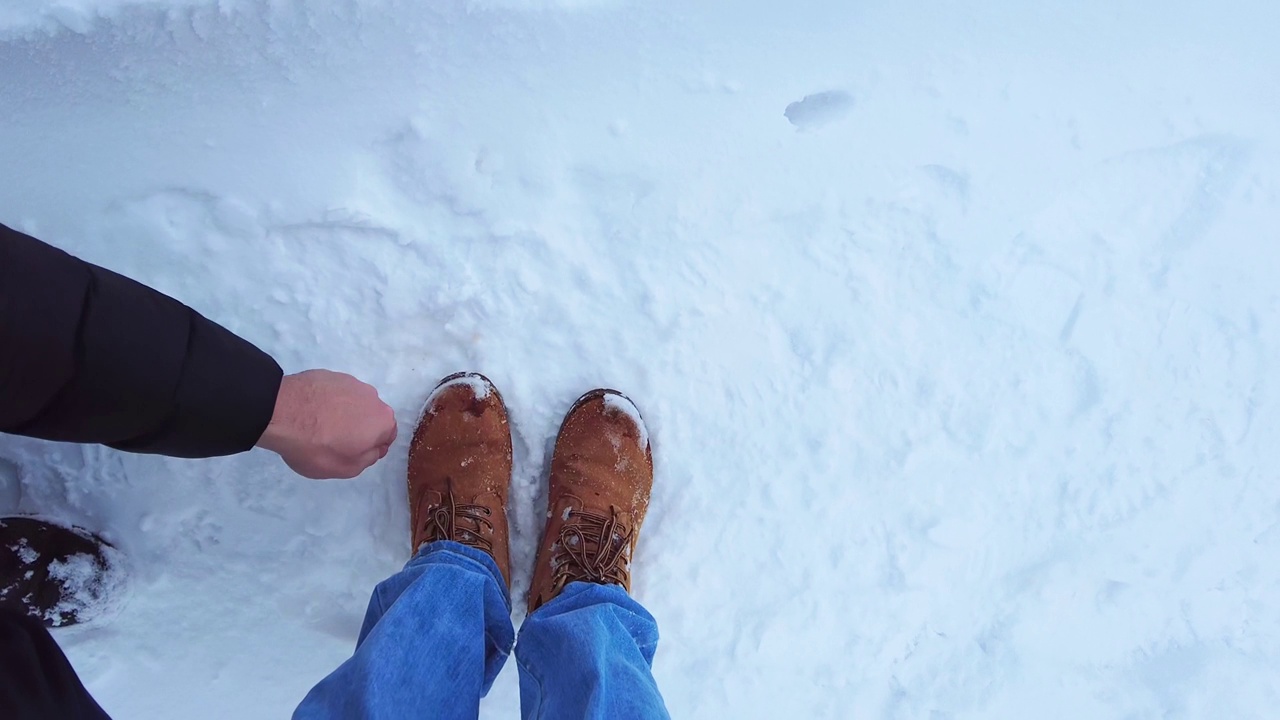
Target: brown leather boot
(601,476)
(460,468)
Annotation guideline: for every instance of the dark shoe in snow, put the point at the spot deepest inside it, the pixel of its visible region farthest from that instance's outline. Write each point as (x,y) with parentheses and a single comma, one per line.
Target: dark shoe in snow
(601,477)
(460,468)
(57,574)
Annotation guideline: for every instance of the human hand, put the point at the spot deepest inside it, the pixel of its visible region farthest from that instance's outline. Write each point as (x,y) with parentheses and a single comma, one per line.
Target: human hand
(329,425)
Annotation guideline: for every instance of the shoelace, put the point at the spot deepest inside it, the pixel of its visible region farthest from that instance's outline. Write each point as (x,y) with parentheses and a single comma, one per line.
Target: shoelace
(442,523)
(592,548)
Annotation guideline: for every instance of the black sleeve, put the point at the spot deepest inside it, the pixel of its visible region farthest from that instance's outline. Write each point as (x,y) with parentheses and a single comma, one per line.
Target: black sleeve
(87,355)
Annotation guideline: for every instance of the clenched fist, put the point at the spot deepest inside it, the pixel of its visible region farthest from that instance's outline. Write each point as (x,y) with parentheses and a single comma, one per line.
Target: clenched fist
(329,425)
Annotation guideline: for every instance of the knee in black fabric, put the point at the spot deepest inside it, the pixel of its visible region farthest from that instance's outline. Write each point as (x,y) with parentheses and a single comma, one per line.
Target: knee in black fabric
(36,679)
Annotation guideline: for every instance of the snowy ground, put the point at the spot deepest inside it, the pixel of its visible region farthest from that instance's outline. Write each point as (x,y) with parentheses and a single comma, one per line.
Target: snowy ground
(956,327)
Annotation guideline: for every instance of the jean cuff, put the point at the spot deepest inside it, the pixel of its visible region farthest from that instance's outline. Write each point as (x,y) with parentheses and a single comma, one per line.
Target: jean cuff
(454,553)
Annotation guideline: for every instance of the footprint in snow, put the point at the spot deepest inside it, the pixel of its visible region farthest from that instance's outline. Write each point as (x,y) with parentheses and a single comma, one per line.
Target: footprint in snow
(814,111)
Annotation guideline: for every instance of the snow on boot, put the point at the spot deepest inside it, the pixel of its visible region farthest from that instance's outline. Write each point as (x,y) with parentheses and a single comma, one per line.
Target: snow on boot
(58,574)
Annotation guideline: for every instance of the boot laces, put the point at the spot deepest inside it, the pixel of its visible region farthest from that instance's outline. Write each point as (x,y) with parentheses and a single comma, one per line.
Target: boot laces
(593,548)
(442,523)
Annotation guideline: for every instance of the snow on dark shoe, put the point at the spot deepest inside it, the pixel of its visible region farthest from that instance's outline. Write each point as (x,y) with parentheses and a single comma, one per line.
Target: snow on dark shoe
(59,574)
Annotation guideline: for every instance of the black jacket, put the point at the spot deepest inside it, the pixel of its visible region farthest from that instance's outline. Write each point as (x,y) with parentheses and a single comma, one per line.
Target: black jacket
(87,355)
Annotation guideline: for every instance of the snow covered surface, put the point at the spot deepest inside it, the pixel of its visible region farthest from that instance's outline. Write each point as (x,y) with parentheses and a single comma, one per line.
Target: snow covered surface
(955,326)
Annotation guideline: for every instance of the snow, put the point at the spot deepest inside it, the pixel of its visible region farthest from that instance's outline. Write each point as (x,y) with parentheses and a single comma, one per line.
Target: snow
(479,389)
(954,327)
(26,555)
(622,404)
(93,585)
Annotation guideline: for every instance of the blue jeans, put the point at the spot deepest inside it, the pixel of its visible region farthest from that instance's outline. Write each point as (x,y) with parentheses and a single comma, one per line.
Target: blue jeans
(437,633)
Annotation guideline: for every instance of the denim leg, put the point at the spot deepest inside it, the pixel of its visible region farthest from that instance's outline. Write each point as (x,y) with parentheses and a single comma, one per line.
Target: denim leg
(433,640)
(588,654)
